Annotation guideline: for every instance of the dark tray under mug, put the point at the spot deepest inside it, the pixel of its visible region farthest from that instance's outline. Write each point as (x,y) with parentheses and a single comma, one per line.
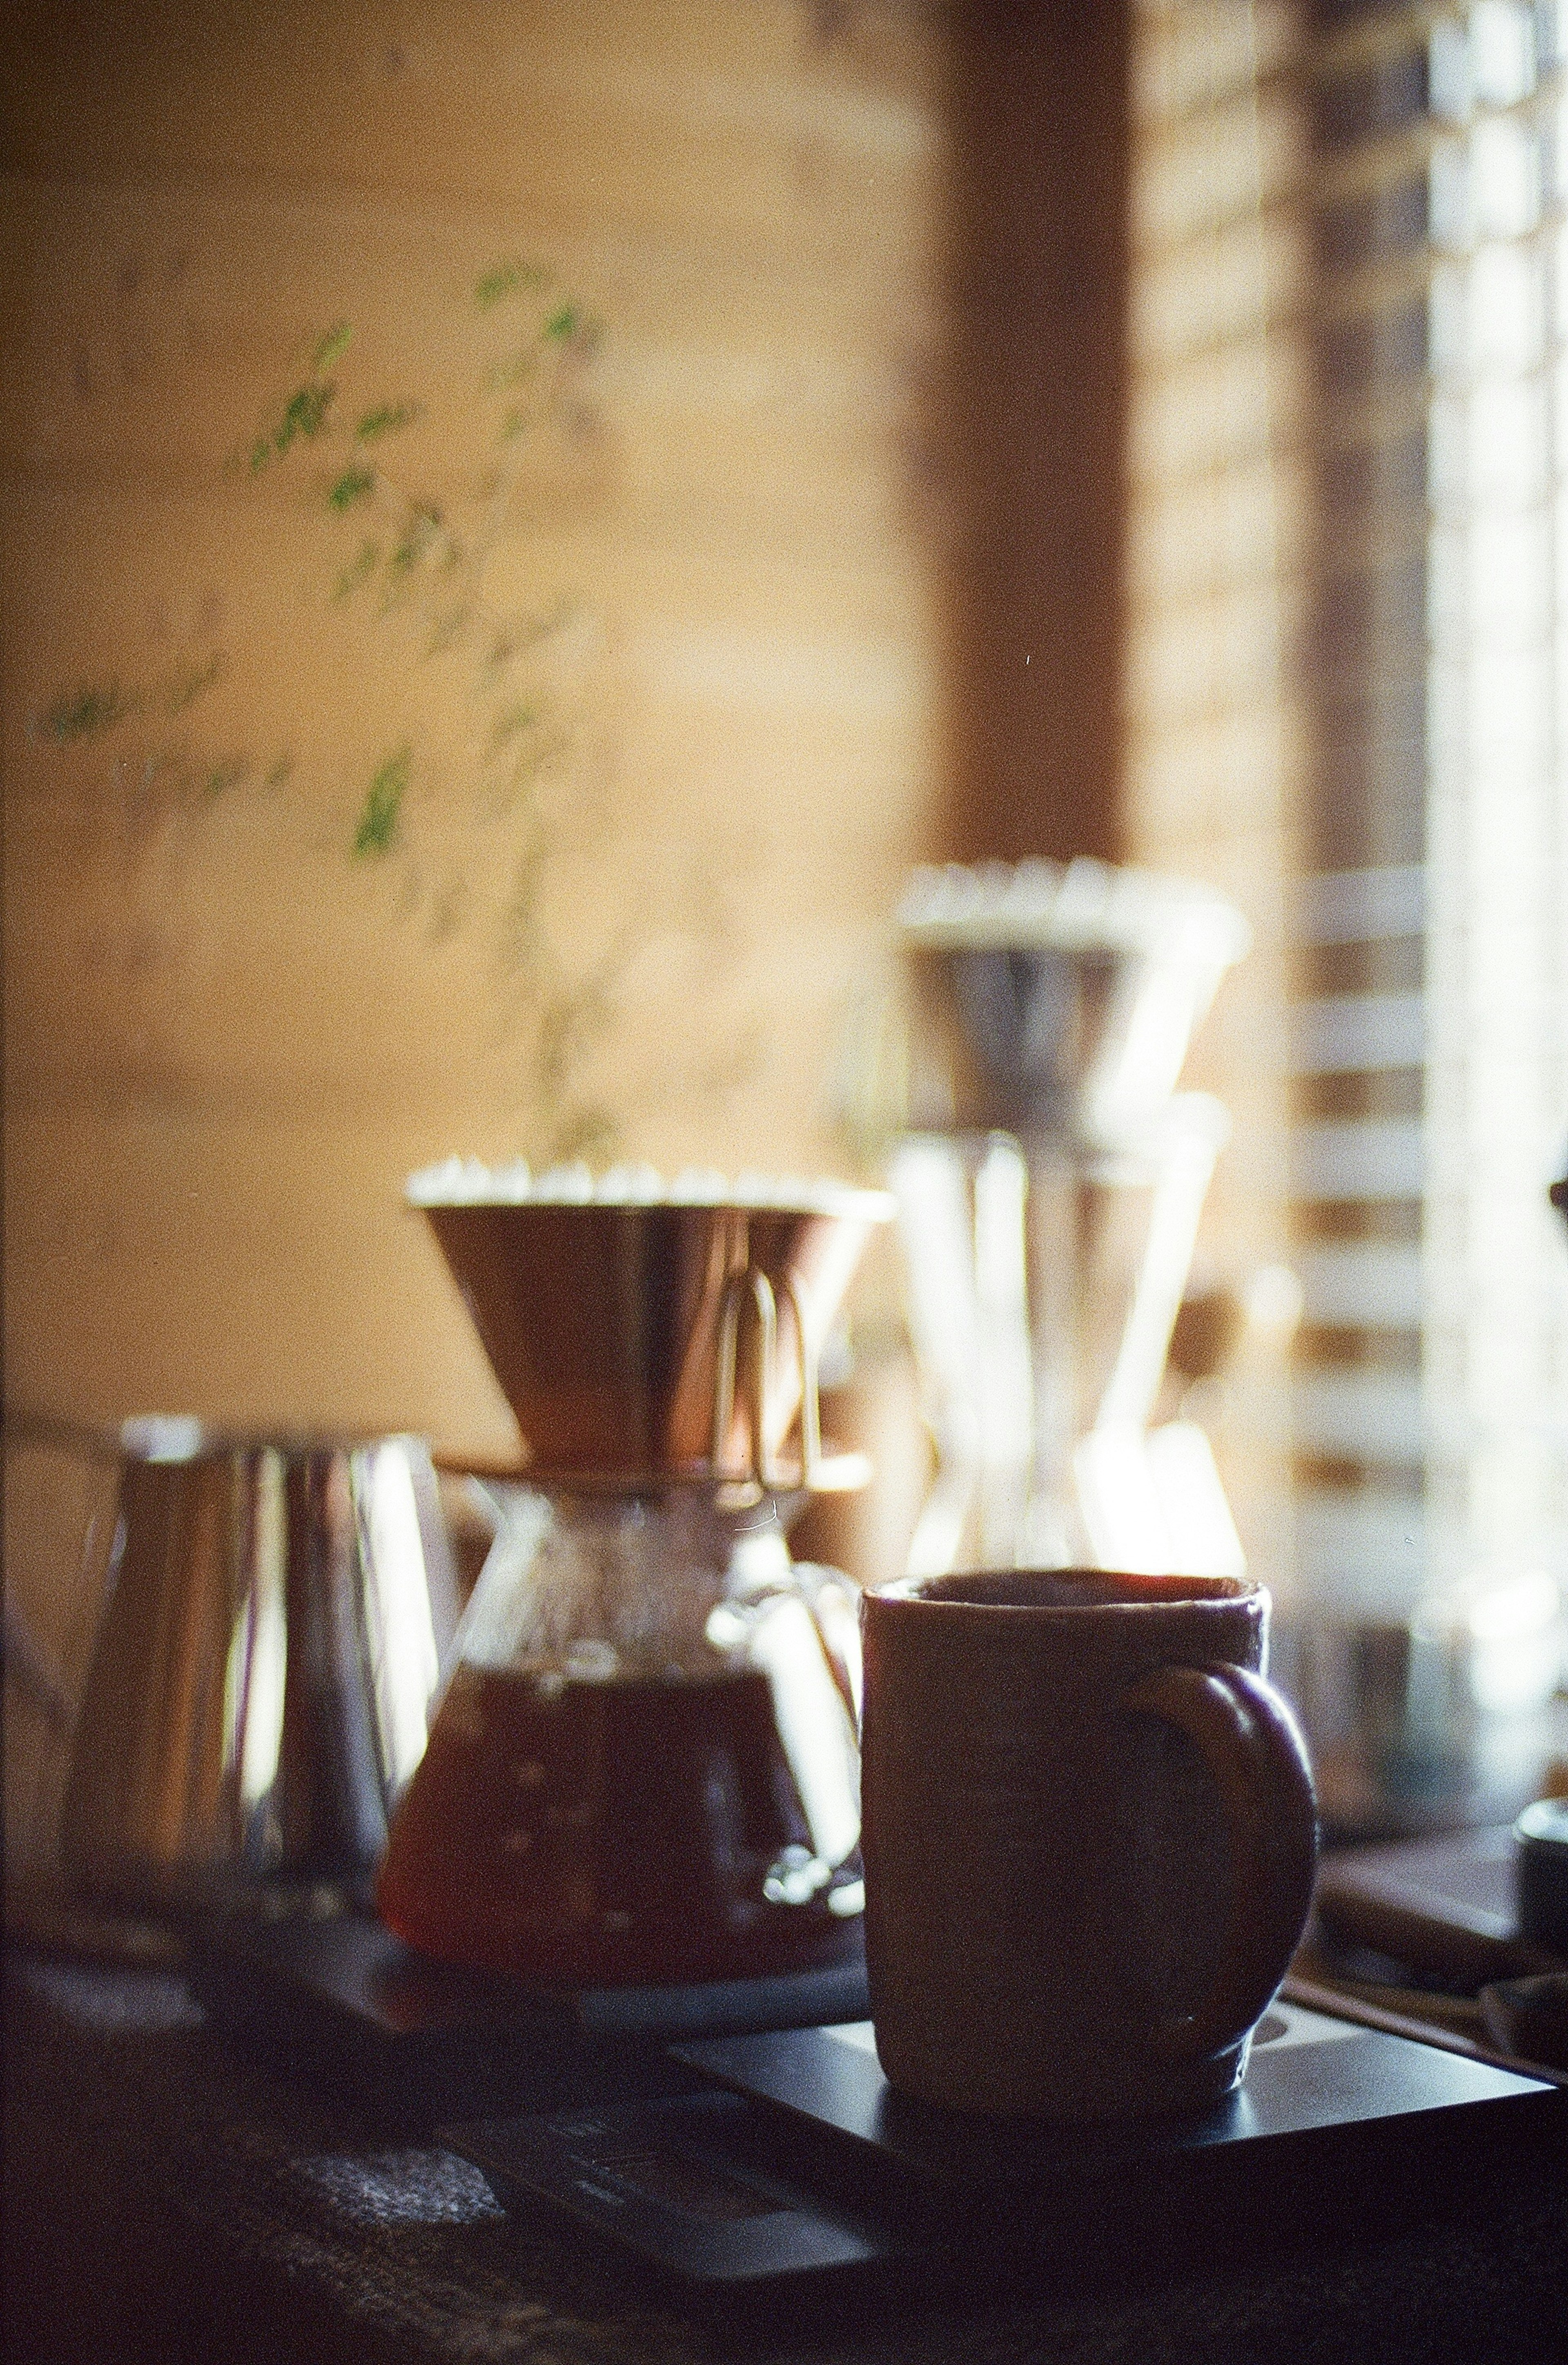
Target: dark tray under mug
(804,2168)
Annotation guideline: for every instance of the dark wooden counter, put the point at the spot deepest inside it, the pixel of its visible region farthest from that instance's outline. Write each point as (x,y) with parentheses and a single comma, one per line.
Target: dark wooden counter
(168,2197)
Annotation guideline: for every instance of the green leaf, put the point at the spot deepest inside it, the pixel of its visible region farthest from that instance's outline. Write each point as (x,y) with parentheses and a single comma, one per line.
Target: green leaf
(415,540)
(87,712)
(378,821)
(493,285)
(306,412)
(304,415)
(386,419)
(514,370)
(353,576)
(353,486)
(505,279)
(511,720)
(562,323)
(186,688)
(332,347)
(226,775)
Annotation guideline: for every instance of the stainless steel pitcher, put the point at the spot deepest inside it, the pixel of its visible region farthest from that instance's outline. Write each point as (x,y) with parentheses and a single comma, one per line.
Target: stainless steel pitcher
(277,1619)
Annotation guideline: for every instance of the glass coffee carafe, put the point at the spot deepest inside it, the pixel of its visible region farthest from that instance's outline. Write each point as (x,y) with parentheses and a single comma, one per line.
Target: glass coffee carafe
(645,1768)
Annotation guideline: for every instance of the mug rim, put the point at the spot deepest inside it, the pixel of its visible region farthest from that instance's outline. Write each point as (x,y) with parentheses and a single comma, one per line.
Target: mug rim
(1139,1593)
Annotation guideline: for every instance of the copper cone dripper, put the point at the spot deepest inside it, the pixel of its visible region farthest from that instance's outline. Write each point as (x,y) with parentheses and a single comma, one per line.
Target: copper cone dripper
(641,1344)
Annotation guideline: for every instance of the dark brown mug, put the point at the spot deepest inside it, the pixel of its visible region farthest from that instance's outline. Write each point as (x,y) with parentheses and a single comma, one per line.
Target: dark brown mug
(1090,1838)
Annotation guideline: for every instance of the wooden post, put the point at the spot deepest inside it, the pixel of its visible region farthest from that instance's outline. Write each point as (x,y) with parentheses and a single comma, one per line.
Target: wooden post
(1036,418)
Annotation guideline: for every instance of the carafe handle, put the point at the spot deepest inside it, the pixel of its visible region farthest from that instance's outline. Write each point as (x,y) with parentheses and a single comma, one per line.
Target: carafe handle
(1251,1746)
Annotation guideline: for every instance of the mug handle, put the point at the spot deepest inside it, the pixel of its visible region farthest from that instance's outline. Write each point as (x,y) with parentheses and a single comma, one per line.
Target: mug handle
(1251,1746)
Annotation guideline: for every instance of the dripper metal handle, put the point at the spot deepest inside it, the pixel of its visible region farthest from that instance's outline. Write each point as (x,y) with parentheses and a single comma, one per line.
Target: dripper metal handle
(754,1287)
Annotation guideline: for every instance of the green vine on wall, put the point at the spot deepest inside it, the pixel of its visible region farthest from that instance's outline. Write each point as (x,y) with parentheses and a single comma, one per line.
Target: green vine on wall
(399,557)
(379,823)
(417,555)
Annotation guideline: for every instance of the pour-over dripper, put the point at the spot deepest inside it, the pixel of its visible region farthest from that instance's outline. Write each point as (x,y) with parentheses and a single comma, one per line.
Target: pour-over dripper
(646,1765)
(1056,1006)
(1030,1076)
(664,1340)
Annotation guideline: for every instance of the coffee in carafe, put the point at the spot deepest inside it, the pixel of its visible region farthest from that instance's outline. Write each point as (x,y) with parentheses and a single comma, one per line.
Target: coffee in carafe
(592,1810)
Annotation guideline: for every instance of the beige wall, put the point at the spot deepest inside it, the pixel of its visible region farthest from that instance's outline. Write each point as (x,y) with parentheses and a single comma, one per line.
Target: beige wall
(227,1036)
(857,283)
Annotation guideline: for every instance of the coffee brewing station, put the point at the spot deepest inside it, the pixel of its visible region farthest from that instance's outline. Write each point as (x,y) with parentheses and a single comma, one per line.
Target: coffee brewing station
(643,1764)
(497,1862)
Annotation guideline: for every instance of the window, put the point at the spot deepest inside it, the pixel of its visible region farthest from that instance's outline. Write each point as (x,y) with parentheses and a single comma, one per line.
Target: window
(1349,704)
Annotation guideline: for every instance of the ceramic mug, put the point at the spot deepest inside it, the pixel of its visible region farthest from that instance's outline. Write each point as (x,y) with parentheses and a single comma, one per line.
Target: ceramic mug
(1089,1835)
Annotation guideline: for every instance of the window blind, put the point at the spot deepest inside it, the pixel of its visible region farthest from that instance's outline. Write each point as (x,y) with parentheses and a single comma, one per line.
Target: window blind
(1375,241)
(1219,510)
(1495,1304)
